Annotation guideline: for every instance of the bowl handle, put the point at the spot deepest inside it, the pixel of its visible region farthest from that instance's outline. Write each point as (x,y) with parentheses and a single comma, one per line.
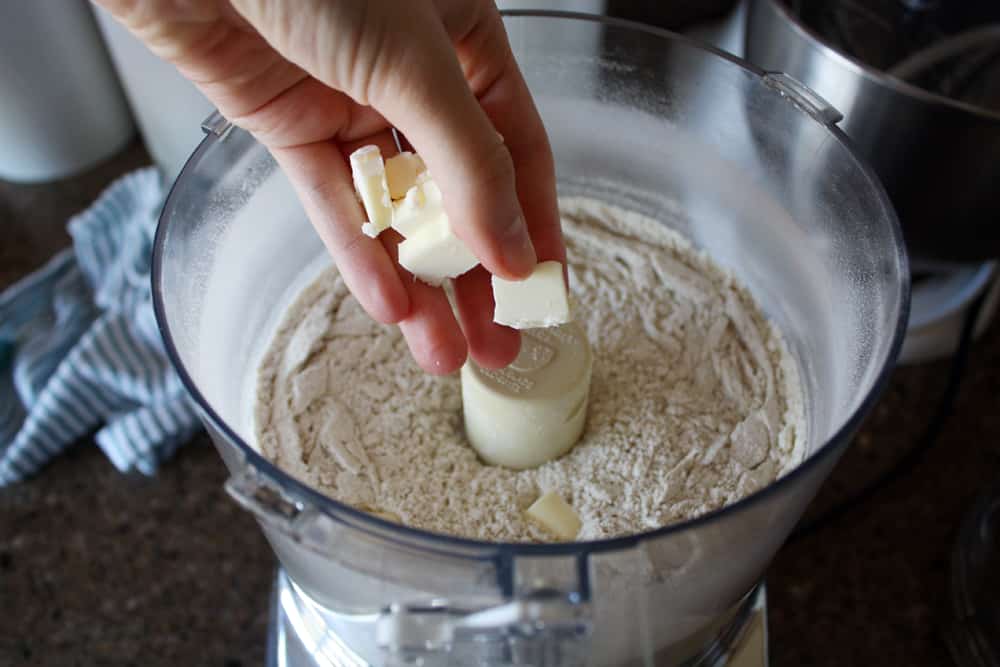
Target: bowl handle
(803,97)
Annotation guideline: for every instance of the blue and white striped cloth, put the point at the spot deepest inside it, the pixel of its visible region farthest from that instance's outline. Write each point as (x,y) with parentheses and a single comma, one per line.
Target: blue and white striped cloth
(79,346)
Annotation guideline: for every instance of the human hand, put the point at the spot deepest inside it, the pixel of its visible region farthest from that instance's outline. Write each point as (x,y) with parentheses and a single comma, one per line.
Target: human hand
(314,79)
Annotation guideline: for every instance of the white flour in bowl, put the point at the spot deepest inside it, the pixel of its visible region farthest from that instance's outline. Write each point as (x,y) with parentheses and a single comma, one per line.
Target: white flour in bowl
(695,400)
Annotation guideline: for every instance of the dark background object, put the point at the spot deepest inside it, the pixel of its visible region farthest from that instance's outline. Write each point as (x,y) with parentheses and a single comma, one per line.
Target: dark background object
(880,33)
(670,14)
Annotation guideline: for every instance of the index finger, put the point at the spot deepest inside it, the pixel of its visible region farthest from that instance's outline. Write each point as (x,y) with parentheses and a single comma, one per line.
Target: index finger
(481,43)
(509,105)
(499,86)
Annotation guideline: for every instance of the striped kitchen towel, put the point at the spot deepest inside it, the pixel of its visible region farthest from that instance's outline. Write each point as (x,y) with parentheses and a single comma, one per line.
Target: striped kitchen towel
(80,350)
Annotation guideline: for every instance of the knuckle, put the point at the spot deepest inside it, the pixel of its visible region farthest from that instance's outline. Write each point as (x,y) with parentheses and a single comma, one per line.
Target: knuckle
(371,52)
(328,191)
(352,244)
(262,125)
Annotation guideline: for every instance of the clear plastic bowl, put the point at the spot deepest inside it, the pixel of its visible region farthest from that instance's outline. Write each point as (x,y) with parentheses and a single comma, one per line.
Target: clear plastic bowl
(749,166)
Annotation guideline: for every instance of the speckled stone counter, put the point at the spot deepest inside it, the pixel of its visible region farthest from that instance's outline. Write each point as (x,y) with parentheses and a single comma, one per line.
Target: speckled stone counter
(99,568)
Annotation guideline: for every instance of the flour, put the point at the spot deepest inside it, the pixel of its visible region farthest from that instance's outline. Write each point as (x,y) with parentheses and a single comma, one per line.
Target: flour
(695,401)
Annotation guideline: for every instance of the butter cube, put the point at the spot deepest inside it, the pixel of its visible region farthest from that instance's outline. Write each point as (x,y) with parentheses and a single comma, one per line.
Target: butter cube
(368,172)
(555,515)
(432,252)
(429,189)
(401,173)
(412,211)
(421,204)
(540,300)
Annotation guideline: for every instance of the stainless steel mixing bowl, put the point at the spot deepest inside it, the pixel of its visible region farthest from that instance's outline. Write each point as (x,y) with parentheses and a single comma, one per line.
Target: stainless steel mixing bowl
(939,158)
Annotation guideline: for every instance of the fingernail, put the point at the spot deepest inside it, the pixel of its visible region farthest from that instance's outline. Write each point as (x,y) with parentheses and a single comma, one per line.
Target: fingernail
(518,252)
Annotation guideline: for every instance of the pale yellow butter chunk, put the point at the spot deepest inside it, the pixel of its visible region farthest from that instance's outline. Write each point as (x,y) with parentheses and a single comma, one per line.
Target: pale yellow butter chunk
(421,201)
(433,253)
(555,515)
(412,211)
(401,173)
(399,193)
(540,300)
(368,173)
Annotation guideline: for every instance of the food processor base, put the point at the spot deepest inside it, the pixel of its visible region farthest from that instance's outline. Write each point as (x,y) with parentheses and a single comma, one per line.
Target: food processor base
(290,621)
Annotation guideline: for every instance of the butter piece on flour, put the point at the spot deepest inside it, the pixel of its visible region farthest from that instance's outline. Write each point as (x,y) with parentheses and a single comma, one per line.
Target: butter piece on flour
(555,515)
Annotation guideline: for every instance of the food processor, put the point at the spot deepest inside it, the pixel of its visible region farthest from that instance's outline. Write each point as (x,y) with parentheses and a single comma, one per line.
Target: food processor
(749,165)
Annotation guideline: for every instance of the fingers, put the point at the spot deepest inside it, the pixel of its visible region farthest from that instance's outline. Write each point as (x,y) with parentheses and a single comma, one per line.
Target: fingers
(494,77)
(489,65)
(480,168)
(387,292)
(430,330)
(367,50)
(306,112)
(508,103)
(491,345)
(254,64)
(429,100)
(322,180)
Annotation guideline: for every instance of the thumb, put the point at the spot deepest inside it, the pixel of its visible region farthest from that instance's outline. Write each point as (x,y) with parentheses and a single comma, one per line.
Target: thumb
(399,58)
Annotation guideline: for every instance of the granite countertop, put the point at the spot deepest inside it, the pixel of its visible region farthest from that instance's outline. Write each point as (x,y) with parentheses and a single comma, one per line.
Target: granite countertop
(97,567)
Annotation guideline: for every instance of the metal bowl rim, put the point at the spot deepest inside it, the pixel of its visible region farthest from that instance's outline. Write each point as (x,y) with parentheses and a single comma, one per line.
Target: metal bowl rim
(857,67)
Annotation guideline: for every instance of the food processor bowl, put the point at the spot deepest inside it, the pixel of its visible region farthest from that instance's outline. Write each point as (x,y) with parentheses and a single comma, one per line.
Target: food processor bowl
(750,166)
